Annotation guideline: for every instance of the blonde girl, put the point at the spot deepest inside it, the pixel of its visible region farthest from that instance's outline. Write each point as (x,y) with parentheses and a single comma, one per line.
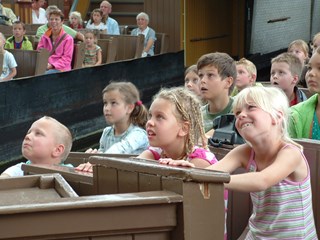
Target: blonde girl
(93,53)
(278,176)
(75,20)
(97,21)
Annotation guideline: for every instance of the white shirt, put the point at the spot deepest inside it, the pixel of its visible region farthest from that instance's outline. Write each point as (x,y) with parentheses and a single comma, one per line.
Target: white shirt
(42,17)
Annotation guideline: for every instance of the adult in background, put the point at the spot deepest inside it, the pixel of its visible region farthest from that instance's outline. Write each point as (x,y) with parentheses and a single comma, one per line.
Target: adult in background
(149,34)
(58,43)
(73,33)
(38,13)
(8,13)
(111,24)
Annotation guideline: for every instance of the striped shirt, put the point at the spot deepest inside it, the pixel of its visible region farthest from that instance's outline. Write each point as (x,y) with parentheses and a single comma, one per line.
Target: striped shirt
(283,211)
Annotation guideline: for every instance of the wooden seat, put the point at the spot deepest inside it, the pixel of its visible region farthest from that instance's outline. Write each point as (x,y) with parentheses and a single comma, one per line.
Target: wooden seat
(123,29)
(30,62)
(78,55)
(128,47)
(109,49)
(161,45)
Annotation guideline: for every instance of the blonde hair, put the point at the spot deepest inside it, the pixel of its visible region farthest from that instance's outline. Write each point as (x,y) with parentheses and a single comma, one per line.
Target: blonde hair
(271,100)
(295,65)
(187,106)
(62,135)
(301,44)
(77,15)
(248,65)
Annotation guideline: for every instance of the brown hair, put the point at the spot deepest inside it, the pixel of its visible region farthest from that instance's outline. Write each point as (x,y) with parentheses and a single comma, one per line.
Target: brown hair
(187,107)
(98,11)
(130,94)
(57,12)
(225,65)
(19,22)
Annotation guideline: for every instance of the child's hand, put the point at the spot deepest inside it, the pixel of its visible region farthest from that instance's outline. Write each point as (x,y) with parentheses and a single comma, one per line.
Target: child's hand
(172,162)
(90,150)
(85,167)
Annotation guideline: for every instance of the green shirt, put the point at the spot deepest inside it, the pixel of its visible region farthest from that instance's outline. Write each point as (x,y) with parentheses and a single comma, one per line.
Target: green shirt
(42,29)
(208,117)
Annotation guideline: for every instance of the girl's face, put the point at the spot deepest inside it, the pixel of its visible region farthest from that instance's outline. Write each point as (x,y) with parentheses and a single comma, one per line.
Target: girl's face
(163,128)
(115,109)
(298,51)
(74,21)
(89,39)
(313,74)
(192,82)
(252,121)
(96,17)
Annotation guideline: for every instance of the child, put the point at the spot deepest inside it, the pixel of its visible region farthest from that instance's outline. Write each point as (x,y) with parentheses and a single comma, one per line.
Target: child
(18,40)
(285,73)
(246,76)
(278,177)
(75,20)
(97,21)
(174,128)
(9,63)
(192,80)
(217,72)
(124,111)
(315,42)
(304,121)
(93,55)
(46,142)
(301,50)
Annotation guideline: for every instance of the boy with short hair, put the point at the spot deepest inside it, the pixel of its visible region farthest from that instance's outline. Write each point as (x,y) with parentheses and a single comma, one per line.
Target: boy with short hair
(46,142)
(285,71)
(246,76)
(217,72)
(18,40)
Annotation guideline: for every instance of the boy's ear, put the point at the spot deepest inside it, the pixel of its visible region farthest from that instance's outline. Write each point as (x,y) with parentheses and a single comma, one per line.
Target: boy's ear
(295,79)
(229,81)
(253,78)
(58,150)
(184,130)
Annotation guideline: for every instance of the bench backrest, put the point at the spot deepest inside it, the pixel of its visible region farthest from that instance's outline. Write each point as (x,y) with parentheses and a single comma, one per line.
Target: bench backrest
(30,62)
(78,55)
(161,45)
(109,49)
(128,47)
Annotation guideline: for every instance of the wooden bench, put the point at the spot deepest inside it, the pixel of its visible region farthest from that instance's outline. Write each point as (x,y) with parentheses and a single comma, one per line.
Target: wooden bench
(78,55)
(190,199)
(46,211)
(30,62)
(239,203)
(109,49)
(161,45)
(128,47)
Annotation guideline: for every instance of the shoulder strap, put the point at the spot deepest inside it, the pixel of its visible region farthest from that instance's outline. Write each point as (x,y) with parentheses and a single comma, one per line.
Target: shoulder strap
(58,43)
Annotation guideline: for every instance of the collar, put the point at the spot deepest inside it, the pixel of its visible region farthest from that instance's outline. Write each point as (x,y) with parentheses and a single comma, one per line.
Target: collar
(48,33)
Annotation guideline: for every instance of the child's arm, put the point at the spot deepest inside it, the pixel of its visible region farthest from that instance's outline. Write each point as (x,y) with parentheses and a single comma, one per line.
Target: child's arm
(288,164)
(147,154)
(13,73)
(99,57)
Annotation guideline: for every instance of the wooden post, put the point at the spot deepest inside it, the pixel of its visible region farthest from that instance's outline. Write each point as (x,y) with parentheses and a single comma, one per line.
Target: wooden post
(24,11)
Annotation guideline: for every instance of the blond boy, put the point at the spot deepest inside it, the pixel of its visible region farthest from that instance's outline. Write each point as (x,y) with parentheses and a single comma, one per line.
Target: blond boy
(217,72)
(46,142)
(246,76)
(285,71)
